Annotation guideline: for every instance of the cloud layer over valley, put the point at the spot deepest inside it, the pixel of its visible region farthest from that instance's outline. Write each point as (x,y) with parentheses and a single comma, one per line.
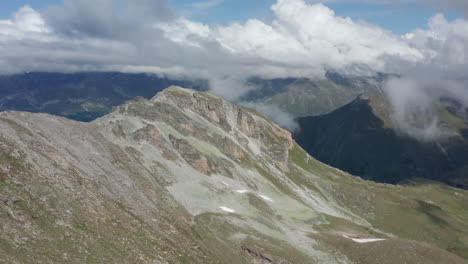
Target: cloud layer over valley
(302,39)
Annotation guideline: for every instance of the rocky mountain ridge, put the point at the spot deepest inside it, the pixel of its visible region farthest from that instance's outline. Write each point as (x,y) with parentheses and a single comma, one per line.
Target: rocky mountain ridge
(186,177)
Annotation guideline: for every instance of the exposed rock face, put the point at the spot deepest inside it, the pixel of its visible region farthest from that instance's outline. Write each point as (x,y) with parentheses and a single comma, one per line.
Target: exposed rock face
(232,150)
(187,177)
(245,124)
(149,134)
(191,155)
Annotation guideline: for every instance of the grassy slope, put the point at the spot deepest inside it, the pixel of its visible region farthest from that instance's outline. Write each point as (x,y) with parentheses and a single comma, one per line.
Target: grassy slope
(61,215)
(430,213)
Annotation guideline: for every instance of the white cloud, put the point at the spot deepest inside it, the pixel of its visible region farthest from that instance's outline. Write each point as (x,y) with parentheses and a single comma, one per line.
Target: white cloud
(183,30)
(28,20)
(301,40)
(440,74)
(413,111)
(23,22)
(311,37)
(283,119)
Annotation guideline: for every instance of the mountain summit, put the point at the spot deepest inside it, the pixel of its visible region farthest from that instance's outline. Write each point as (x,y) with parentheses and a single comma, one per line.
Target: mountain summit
(186,177)
(364,139)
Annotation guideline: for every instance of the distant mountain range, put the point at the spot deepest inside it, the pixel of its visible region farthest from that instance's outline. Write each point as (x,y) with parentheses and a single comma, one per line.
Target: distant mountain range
(361,138)
(351,138)
(303,97)
(87,96)
(80,96)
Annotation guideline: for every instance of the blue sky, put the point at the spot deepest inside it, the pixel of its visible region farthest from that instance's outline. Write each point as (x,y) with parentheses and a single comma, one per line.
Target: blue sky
(399,18)
(9,6)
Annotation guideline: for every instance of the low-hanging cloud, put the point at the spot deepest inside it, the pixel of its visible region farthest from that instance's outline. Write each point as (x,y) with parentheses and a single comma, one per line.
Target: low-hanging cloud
(440,75)
(274,113)
(413,109)
(301,40)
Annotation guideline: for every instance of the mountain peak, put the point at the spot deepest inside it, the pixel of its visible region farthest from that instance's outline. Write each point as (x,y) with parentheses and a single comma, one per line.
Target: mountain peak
(187,177)
(174,90)
(210,119)
(410,145)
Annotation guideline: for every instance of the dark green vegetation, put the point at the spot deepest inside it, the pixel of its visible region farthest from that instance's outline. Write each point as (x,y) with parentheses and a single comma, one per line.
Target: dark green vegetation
(361,139)
(80,96)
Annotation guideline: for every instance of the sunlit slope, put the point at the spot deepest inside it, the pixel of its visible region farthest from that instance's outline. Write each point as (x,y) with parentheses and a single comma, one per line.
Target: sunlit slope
(187,177)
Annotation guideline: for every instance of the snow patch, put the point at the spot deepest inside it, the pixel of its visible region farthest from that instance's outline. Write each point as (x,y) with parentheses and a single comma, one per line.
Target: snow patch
(227,185)
(266,198)
(227,209)
(241,191)
(364,240)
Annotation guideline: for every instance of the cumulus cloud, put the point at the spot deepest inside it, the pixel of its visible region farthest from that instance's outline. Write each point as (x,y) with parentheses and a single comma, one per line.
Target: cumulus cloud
(301,40)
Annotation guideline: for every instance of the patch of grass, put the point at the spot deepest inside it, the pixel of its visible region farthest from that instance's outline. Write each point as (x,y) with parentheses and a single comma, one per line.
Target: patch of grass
(16,126)
(339,225)
(3,183)
(185,259)
(76,175)
(122,207)
(81,226)
(261,205)
(178,93)
(277,250)
(420,213)
(385,252)
(300,157)
(215,228)
(118,130)
(274,180)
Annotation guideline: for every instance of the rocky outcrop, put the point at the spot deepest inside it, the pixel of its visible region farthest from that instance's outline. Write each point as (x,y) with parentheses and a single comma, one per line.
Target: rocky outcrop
(149,134)
(191,155)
